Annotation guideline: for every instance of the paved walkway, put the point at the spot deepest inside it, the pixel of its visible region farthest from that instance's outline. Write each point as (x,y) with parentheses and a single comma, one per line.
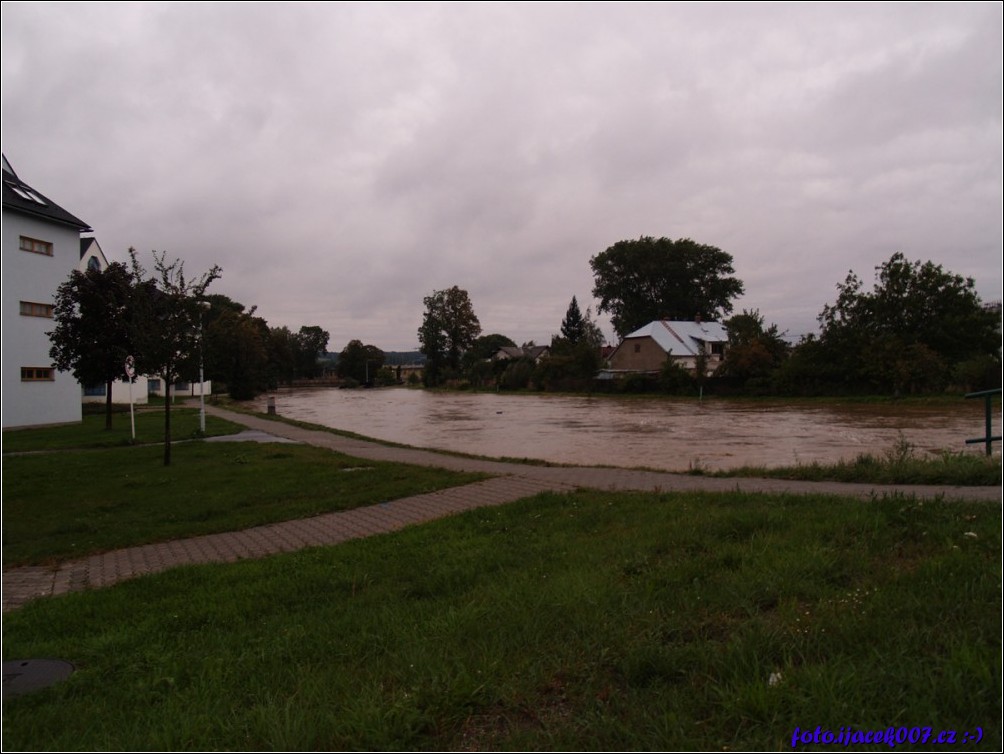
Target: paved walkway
(511,482)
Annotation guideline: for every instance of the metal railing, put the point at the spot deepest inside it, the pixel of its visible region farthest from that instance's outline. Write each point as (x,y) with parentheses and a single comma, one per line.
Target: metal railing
(988,439)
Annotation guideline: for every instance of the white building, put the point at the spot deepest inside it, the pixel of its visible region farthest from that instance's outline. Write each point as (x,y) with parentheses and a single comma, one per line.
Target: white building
(40,246)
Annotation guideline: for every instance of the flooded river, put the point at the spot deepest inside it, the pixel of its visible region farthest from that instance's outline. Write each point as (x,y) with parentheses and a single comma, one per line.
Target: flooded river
(672,435)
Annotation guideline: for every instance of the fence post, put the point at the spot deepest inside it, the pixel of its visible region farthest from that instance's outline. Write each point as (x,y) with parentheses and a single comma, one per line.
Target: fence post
(988,439)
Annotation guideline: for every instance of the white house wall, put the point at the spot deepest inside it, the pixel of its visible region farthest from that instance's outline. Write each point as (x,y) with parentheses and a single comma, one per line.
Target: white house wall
(120,392)
(187,389)
(34,277)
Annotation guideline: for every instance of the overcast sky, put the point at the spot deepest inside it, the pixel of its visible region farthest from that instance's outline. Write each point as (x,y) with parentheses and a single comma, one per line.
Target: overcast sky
(342,161)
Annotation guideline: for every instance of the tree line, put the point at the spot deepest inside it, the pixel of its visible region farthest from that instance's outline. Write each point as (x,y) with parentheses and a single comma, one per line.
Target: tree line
(919,329)
(167,325)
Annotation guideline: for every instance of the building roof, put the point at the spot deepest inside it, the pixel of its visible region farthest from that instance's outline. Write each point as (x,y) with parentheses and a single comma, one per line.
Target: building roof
(18,196)
(681,338)
(515,352)
(91,250)
(86,242)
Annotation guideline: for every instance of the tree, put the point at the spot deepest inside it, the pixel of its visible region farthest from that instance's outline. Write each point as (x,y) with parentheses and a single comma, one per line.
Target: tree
(657,278)
(93,335)
(310,345)
(236,347)
(167,309)
(449,328)
(487,346)
(754,351)
(575,354)
(360,362)
(909,332)
(478,365)
(573,325)
(281,349)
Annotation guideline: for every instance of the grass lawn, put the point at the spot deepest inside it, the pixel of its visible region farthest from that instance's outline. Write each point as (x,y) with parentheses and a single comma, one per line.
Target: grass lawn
(91,432)
(589,621)
(898,465)
(75,502)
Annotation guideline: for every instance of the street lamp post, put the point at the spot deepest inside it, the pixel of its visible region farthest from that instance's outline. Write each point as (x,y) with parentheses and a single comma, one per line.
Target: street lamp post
(130,370)
(203,305)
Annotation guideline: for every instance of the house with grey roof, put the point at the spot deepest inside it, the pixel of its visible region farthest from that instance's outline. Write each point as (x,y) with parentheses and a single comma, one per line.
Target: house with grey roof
(41,245)
(536,354)
(646,350)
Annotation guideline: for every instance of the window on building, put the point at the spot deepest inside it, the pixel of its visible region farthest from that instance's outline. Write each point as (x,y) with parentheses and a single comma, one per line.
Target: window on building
(153,387)
(35,246)
(637,347)
(95,390)
(25,193)
(37,374)
(180,387)
(31,309)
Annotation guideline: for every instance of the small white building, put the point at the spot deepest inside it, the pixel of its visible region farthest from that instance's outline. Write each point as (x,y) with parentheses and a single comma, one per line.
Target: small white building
(120,392)
(179,390)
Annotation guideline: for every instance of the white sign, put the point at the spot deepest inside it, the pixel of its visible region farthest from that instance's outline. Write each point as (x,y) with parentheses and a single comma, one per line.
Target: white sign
(130,367)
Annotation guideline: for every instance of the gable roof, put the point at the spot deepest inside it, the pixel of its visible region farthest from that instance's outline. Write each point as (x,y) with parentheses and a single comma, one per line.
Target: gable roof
(515,352)
(90,249)
(681,338)
(18,196)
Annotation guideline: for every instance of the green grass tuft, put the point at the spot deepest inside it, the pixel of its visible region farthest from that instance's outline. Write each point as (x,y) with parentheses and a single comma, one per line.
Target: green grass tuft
(898,465)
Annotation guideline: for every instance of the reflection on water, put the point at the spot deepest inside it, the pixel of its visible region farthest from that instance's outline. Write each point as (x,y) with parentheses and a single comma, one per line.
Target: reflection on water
(673,435)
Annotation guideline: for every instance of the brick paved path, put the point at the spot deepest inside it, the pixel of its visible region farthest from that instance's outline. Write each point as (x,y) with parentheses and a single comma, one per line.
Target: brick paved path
(512,482)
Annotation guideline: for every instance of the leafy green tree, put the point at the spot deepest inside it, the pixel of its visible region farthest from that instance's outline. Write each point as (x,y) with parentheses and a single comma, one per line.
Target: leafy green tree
(754,352)
(236,348)
(657,278)
(517,374)
(676,379)
(811,369)
(167,311)
(360,362)
(910,331)
(575,354)
(280,348)
(94,332)
(568,367)
(592,334)
(449,329)
(310,345)
(477,362)
(483,373)
(487,346)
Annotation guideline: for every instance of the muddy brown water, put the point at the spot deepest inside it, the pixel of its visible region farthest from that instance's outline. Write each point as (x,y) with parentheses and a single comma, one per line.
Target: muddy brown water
(674,435)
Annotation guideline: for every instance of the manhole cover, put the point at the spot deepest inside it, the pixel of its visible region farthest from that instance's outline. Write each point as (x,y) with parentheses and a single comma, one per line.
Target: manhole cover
(22,676)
